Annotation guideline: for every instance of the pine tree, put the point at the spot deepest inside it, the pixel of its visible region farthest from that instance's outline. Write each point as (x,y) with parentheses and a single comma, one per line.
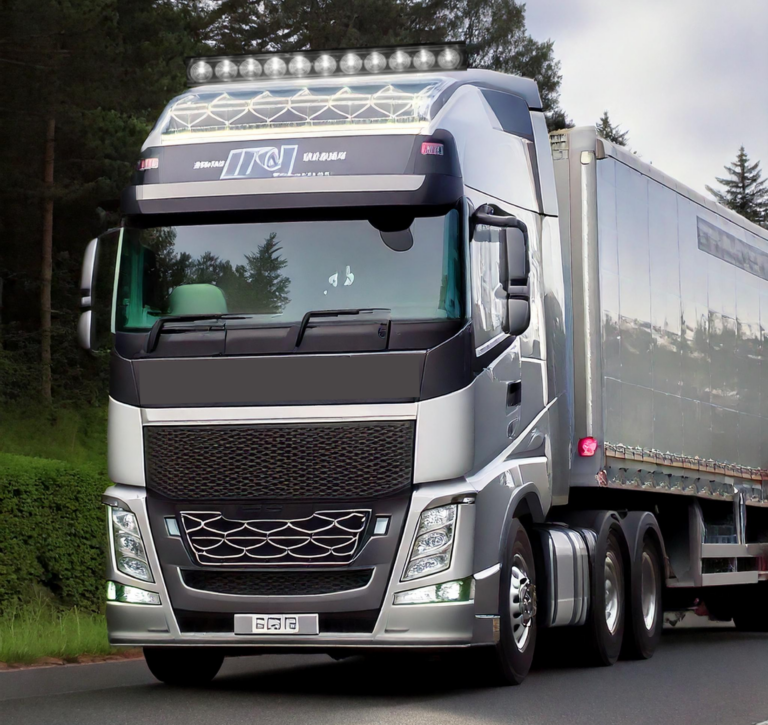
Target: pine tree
(494,31)
(269,288)
(614,134)
(745,191)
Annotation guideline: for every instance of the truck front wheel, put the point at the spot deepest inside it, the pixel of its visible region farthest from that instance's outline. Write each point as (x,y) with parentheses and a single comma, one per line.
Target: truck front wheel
(183,666)
(517,608)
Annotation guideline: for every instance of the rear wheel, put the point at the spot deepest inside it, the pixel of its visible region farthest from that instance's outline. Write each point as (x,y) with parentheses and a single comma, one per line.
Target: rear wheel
(644,610)
(513,654)
(750,613)
(183,666)
(605,623)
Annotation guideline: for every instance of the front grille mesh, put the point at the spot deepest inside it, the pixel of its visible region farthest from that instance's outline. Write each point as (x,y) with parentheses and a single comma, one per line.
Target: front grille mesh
(287,462)
(277,583)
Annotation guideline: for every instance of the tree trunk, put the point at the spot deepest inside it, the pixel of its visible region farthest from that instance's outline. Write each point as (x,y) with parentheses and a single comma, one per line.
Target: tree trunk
(46,272)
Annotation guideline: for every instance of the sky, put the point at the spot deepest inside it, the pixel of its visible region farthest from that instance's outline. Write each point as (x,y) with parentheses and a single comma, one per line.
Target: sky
(687,78)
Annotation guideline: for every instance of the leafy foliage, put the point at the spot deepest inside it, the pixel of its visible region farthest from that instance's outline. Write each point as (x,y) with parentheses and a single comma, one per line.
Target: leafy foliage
(53,531)
(607,130)
(744,189)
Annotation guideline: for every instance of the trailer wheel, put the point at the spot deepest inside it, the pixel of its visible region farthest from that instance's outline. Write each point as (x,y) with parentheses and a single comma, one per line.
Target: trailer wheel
(513,654)
(750,613)
(605,623)
(644,604)
(183,666)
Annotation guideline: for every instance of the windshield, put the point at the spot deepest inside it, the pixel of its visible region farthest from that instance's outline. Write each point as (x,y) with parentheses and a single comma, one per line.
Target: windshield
(274,273)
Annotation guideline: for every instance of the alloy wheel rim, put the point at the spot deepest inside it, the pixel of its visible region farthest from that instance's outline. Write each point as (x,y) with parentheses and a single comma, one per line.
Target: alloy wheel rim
(612,592)
(522,602)
(649,592)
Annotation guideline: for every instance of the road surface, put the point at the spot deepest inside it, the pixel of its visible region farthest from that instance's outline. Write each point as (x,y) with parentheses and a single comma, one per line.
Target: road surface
(698,676)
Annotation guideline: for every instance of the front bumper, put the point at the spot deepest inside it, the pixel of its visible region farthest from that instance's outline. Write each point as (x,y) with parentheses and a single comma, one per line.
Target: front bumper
(424,625)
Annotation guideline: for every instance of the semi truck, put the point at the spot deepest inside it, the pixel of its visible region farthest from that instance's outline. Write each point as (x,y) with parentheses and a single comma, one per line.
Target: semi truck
(394,368)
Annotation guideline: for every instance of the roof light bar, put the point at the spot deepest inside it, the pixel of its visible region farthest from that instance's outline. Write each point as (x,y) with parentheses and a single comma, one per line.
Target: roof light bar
(324,64)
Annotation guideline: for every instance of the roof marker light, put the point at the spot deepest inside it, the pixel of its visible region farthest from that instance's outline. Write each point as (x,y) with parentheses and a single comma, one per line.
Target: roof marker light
(299,66)
(424,59)
(323,64)
(250,68)
(200,71)
(275,67)
(226,70)
(587,447)
(449,59)
(375,63)
(351,63)
(399,60)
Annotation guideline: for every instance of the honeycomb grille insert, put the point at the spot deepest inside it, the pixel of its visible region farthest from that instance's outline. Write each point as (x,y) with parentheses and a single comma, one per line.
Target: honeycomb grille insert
(325,537)
(287,462)
(277,583)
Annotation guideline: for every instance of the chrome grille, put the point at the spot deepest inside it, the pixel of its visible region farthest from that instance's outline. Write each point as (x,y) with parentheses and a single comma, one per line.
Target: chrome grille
(325,537)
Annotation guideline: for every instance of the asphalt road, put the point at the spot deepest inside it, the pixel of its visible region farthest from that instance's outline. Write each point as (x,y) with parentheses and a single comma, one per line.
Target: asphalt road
(715,676)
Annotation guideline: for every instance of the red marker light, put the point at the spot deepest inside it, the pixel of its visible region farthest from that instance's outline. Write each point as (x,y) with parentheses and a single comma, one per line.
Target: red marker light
(432,149)
(587,447)
(145,164)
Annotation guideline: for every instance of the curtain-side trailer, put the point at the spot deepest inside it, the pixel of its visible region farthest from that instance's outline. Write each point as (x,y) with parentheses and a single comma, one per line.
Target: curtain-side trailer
(393,368)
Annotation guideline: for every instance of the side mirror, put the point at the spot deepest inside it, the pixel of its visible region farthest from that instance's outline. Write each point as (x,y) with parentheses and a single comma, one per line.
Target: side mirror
(515,266)
(516,278)
(96,290)
(85,330)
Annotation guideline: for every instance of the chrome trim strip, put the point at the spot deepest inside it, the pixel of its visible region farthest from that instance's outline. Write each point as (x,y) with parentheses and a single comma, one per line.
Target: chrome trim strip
(490,344)
(279,185)
(490,571)
(282,414)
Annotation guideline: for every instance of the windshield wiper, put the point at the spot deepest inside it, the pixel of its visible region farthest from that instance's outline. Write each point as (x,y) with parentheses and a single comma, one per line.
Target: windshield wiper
(333,313)
(157,328)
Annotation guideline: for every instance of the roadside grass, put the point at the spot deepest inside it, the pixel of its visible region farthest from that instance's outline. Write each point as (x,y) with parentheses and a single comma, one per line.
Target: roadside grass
(40,629)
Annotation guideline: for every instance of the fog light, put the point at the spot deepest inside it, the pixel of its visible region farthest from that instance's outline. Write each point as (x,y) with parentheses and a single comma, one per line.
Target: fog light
(461,590)
(130,595)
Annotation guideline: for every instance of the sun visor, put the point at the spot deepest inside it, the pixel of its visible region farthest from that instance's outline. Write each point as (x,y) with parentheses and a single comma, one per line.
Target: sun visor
(343,171)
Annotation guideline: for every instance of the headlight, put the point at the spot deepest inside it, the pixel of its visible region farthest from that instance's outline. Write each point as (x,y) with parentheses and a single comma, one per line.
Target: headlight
(431,552)
(461,590)
(130,554)
(130,595)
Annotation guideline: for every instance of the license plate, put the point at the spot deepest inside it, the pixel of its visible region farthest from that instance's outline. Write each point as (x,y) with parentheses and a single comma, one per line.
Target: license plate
(279,624)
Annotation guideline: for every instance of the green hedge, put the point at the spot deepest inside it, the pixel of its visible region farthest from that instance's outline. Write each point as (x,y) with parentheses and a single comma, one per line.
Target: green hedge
(52,531)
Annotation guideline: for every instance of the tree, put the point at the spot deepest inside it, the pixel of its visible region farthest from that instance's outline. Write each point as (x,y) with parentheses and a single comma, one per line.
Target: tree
(269,287)
(494,31)
(614,134)
(744,190)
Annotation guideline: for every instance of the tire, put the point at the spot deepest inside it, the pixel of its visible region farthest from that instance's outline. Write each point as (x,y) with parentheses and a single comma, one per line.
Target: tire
(644,606)
(511,659)
(605,622)
(750,613)
(183,666)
